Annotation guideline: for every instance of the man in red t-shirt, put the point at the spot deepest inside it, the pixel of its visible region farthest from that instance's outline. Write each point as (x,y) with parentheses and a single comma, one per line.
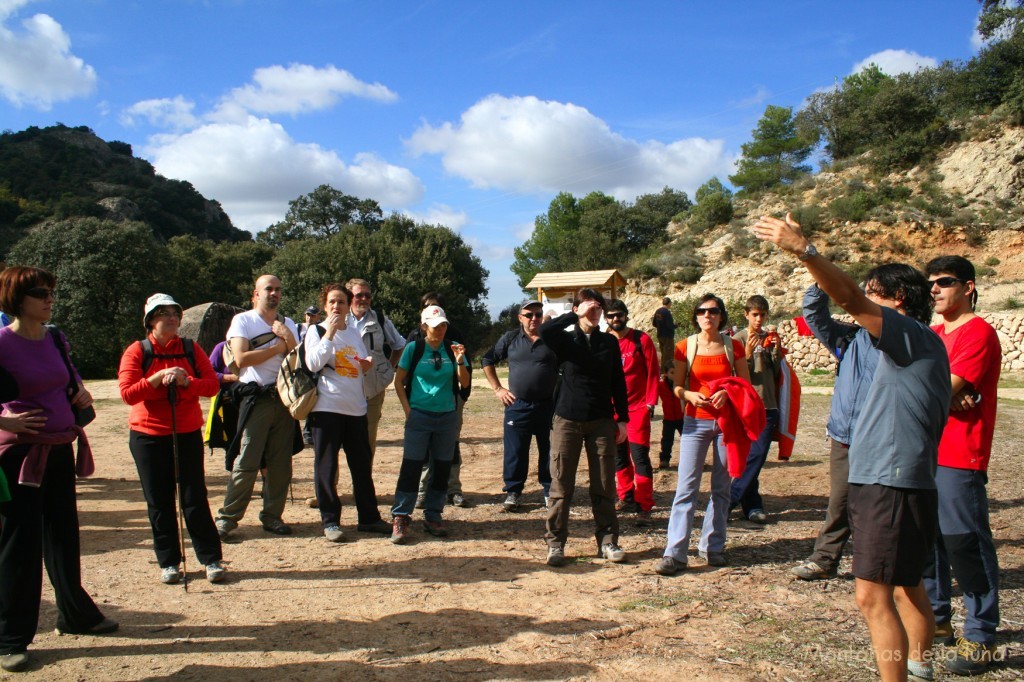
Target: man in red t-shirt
(633,473)
(965,539)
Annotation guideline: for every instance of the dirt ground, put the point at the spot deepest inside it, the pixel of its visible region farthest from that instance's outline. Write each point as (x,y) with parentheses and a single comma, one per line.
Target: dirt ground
(481,604)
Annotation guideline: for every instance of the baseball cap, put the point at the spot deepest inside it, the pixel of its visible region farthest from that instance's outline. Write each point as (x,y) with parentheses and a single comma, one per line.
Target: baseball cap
(433,315)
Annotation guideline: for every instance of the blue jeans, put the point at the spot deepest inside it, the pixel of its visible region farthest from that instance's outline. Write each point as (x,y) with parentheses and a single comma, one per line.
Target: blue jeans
(697,435)
(965,544)
(429,436)
(523,421)
(745,489)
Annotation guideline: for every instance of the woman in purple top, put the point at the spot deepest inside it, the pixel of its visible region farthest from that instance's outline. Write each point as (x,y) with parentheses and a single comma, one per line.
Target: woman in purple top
(40,521)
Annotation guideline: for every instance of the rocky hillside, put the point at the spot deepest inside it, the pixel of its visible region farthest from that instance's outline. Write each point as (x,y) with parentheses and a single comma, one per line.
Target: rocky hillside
(969,202)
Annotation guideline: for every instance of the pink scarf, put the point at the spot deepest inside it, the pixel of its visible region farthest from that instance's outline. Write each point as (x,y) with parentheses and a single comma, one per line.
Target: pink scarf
(34,466)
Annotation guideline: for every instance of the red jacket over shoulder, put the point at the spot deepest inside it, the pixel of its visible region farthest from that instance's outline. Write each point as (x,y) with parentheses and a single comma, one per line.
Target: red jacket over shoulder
(741,420)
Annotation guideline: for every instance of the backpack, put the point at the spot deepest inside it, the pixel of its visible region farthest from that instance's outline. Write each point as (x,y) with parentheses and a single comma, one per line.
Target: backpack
(639,349)
(381,320)
(418,349)
(149,354)
(296,385)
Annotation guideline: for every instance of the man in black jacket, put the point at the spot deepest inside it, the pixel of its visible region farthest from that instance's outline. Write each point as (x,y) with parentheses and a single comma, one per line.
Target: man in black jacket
(592,381)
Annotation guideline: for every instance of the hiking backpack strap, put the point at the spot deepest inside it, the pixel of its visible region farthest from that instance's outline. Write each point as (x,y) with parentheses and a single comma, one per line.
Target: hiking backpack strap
(149,354)
(419,346)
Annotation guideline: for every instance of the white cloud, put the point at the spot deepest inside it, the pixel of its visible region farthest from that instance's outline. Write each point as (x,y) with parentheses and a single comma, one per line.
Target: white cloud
(36,64)
(895,62)
(524,144)
(441,214)
(299,88)
(488,251)
(255,168)
(760,96)
(175,114)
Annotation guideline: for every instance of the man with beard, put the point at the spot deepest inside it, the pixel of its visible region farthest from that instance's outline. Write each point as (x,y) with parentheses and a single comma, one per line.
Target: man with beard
(528,400)
(633,472)
(259,340)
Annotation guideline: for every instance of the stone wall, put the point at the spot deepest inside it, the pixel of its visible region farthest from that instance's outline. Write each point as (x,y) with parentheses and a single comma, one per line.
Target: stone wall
(807,353)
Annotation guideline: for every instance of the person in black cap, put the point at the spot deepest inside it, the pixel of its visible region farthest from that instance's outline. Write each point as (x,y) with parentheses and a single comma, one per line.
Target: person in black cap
(313,317)
(529,400)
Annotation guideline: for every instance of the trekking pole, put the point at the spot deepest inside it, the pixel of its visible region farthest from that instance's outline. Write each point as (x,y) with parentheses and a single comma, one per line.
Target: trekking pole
(171,396)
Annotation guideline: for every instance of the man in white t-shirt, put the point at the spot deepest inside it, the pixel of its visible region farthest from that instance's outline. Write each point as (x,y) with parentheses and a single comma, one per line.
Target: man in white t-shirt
(259,340)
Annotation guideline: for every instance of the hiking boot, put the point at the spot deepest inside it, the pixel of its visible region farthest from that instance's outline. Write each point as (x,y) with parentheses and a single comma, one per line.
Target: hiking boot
(812,570)
(225,527)
(664,463)
(970,658)
(277,527)
(944,634)
(714,558)
(435,528)
(627,505)
(421,501)
(547,501)
(334,533)
(104,627)
(215,572)
(170,575)
(643,518)
(15,663)
(556,555)
(669,566)
(458,499)
(512,502)
(378,526)
(400,529)
(312,503)
(612,552)
(757,516)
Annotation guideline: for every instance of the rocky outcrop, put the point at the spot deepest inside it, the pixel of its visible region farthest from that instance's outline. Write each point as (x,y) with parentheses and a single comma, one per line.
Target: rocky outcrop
(989,170)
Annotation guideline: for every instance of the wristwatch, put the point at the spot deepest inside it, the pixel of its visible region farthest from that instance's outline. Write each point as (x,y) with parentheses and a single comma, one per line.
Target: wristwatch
(808,252)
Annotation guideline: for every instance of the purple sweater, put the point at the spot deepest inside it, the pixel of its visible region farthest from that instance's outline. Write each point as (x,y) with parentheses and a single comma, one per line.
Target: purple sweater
(42,378)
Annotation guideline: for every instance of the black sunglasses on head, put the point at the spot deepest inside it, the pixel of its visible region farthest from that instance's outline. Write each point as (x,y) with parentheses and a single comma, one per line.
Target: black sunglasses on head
(946,282)
(709,311)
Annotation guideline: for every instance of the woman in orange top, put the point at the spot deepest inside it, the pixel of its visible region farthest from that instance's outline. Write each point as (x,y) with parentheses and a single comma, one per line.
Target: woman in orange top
(700,430)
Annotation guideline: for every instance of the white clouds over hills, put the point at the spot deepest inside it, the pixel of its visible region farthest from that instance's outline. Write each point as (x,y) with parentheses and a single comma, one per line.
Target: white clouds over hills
(36,64)
(250,163)
(524,144)
(254,168)
(895,62)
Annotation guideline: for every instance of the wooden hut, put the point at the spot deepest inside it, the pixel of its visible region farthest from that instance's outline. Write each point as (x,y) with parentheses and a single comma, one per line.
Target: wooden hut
(556,289)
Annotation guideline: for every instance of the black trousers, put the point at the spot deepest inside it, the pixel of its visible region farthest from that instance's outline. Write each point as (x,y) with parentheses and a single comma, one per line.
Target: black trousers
(154,458)
(41,523)
(331,433)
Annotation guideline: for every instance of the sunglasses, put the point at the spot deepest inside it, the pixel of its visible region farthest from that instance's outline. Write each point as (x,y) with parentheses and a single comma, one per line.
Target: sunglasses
(531,316)
(946,282)
(615,316)
(709,311)
(42,293)
(361,296)
(436,360)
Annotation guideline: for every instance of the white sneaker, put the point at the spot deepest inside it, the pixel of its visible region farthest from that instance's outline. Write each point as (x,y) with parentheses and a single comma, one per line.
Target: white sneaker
(334,533)
(613,552)
(215,573)
(170,575)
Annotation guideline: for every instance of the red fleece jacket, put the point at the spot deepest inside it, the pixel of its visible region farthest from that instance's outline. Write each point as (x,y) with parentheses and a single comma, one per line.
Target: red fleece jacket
(741,420)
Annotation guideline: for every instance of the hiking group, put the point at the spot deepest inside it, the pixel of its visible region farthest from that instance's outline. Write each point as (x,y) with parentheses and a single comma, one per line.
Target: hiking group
(911,425)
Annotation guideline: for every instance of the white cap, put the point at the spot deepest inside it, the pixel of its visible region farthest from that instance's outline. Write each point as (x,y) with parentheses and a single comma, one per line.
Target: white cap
(154,302)
(433,315)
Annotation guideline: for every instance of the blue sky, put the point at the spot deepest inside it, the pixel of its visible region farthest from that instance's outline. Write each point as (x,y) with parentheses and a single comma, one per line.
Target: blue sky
(469,114)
